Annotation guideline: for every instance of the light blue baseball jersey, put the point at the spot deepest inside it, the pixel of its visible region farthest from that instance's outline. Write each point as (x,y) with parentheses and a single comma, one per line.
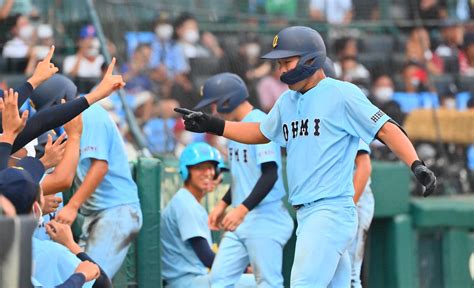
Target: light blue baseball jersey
(101,140)
(364,147)
(183,218)
(320,130)
(53,263)
(245,161)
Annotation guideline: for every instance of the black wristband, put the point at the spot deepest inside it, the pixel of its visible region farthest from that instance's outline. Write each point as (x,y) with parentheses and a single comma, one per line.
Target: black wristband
(415,164)
(217,126)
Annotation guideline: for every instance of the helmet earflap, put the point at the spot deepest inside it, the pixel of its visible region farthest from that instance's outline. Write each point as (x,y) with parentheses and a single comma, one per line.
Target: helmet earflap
(303,69)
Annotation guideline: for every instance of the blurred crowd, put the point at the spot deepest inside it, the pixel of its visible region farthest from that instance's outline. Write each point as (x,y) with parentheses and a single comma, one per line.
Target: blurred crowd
(427,65)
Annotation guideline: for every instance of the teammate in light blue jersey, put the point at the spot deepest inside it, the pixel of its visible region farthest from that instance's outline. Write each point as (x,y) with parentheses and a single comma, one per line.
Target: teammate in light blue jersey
(320,122)
(259,225)
(364,200)
(185,237)
(107,196)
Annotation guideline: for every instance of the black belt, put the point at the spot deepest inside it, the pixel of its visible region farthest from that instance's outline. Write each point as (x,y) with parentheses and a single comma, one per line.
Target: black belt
(299,206)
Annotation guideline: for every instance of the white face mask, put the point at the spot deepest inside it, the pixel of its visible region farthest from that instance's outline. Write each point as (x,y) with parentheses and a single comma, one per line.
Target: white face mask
(26,32)
(38,214)
(191,36)
(252,50)
(164,32)
(383,94)
(93,50)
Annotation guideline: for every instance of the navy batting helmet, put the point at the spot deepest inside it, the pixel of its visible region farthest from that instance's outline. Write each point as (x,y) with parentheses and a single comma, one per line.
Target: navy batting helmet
(299,41)
(329,69)
(52,91)
(228,90)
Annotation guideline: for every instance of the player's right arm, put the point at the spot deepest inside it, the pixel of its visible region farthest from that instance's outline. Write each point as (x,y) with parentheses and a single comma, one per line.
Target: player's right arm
(243,132)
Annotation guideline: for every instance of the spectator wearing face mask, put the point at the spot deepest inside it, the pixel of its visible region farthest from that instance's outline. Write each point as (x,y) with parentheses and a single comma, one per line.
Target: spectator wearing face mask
(382,90)
(186,33)
(18,47)
(167,60)
(347,67)
(447,95)
(166,55)
(87,62)
(381,95)
(415,78)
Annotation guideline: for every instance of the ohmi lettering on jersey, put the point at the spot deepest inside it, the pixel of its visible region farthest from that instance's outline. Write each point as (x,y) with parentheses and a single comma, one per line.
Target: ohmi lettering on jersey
(301,128)
(234,154)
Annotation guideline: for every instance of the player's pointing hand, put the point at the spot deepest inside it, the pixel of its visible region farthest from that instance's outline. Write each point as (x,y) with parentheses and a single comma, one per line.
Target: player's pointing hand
(44,70)
(109,84)
(200,122)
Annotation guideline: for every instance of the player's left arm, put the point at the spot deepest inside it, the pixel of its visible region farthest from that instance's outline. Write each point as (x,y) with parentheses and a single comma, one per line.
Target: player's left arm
(365,120)
(395,138)
(261,189)
(361,174)
(92,180)
(398,142)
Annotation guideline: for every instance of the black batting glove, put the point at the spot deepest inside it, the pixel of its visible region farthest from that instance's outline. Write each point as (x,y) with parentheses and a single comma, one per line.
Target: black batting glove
(200,122)
(425,177)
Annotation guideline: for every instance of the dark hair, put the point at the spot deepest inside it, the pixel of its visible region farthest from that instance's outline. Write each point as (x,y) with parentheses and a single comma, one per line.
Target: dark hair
(179,21)
(161,18)
(341,43)
(140,46)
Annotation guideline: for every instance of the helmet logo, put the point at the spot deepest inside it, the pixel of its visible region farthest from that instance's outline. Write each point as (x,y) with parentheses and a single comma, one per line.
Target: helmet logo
(201,92)
(275,41)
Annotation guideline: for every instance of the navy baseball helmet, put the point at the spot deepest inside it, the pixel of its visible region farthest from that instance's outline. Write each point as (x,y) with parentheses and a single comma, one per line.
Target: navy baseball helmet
(20,184)
(303,42)
(227,90)
(329,69)
(52,91)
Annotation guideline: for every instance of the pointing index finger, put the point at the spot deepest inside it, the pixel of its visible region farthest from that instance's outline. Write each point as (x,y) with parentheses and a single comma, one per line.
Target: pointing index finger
(50,54)
(183,111)
(111,67)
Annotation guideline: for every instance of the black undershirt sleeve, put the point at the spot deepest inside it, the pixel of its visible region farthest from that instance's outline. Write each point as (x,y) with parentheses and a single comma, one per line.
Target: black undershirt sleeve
(24,92)
(48,119)
(263,186)
(203,251)
(5,149)
(103,281)
(227,197)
